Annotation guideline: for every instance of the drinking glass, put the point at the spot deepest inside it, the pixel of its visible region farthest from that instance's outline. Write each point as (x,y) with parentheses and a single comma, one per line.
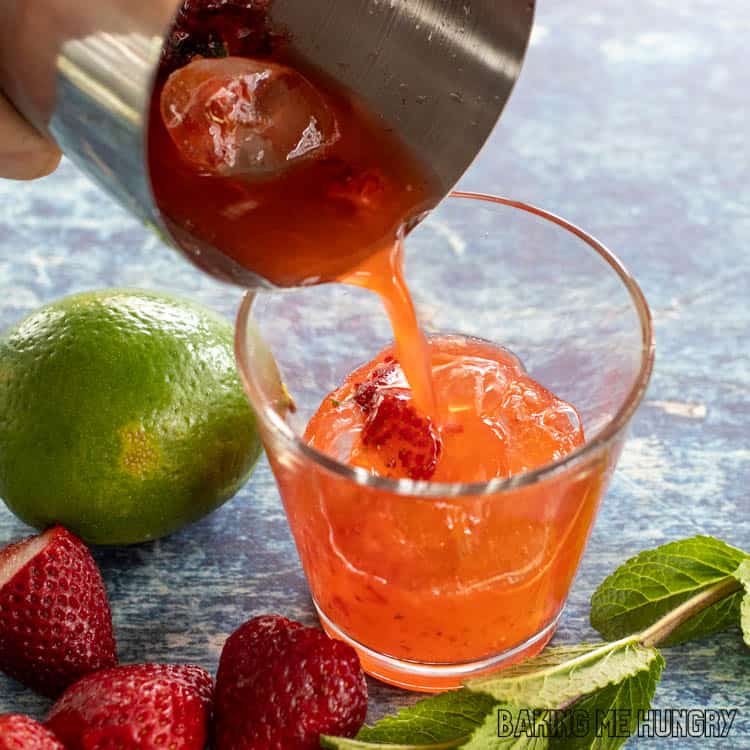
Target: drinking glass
(434,583)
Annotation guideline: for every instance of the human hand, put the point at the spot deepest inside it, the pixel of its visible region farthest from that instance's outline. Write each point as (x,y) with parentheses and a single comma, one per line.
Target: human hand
(27,34)
(25,154)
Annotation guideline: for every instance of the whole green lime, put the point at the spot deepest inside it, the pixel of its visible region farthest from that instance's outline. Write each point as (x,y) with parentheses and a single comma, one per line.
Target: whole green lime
(123,417)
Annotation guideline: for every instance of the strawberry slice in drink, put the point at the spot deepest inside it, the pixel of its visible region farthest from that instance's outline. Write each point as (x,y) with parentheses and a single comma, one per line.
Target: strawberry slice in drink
(235,116)
(396,439)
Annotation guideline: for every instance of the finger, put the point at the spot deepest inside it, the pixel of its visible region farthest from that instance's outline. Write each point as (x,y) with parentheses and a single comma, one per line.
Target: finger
(25,154)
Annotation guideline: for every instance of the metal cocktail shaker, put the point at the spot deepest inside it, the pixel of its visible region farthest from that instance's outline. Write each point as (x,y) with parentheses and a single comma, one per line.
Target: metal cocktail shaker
(438,71)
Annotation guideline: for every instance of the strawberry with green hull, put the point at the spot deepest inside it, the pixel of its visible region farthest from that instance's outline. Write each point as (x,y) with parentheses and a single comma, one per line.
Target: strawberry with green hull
(22,733)
(138,707)
(55,620)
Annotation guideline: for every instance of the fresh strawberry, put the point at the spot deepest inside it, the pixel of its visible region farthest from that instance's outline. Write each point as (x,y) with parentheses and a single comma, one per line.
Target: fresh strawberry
(408,445)
(55,622)
(139,707)
(22,733)
(281,685)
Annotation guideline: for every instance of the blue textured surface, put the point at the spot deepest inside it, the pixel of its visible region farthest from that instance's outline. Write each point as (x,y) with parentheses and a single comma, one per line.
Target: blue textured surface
(631,120)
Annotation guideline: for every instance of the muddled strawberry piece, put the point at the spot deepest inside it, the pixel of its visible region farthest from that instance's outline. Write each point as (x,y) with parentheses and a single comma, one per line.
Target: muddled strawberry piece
(217,28)
(235,116)
(407,444)
(361,190)
(382,376)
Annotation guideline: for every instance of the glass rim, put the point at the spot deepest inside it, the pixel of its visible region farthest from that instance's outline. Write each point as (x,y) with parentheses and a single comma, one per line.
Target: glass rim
(425,488)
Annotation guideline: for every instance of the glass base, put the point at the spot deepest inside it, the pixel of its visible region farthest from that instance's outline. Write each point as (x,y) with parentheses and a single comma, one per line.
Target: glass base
(435,678)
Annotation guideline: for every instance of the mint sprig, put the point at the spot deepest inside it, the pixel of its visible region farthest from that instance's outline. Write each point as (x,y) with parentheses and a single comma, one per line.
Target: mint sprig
(680,591)
(592,681)
(611,675)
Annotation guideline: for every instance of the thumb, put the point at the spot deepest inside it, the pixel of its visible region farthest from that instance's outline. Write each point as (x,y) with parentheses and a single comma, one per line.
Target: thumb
(25,154)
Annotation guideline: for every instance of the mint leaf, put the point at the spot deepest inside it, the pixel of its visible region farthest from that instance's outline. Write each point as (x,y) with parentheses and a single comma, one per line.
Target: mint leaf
(511,728)
(443,721)
(560,676)
(514,729)
(604,720)
(655,582)
(742,574)
(438,719)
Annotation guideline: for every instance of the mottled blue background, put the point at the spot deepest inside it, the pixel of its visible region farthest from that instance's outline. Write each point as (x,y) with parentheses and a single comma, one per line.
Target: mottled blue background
(632,120)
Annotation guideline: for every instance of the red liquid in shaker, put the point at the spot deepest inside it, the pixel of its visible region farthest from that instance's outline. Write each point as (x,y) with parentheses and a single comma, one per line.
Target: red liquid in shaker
(280,169)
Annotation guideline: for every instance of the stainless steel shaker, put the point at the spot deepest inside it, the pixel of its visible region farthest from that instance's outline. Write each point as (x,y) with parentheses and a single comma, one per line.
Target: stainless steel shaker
(438,71)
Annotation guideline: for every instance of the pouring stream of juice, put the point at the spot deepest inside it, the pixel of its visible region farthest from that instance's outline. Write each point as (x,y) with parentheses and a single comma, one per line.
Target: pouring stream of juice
(383,273)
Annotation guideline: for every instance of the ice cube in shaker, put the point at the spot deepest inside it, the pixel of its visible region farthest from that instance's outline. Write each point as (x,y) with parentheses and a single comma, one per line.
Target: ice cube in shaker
(234,116)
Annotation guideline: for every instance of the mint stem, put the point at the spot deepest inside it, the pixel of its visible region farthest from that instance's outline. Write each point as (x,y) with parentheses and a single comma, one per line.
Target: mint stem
(663,628)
